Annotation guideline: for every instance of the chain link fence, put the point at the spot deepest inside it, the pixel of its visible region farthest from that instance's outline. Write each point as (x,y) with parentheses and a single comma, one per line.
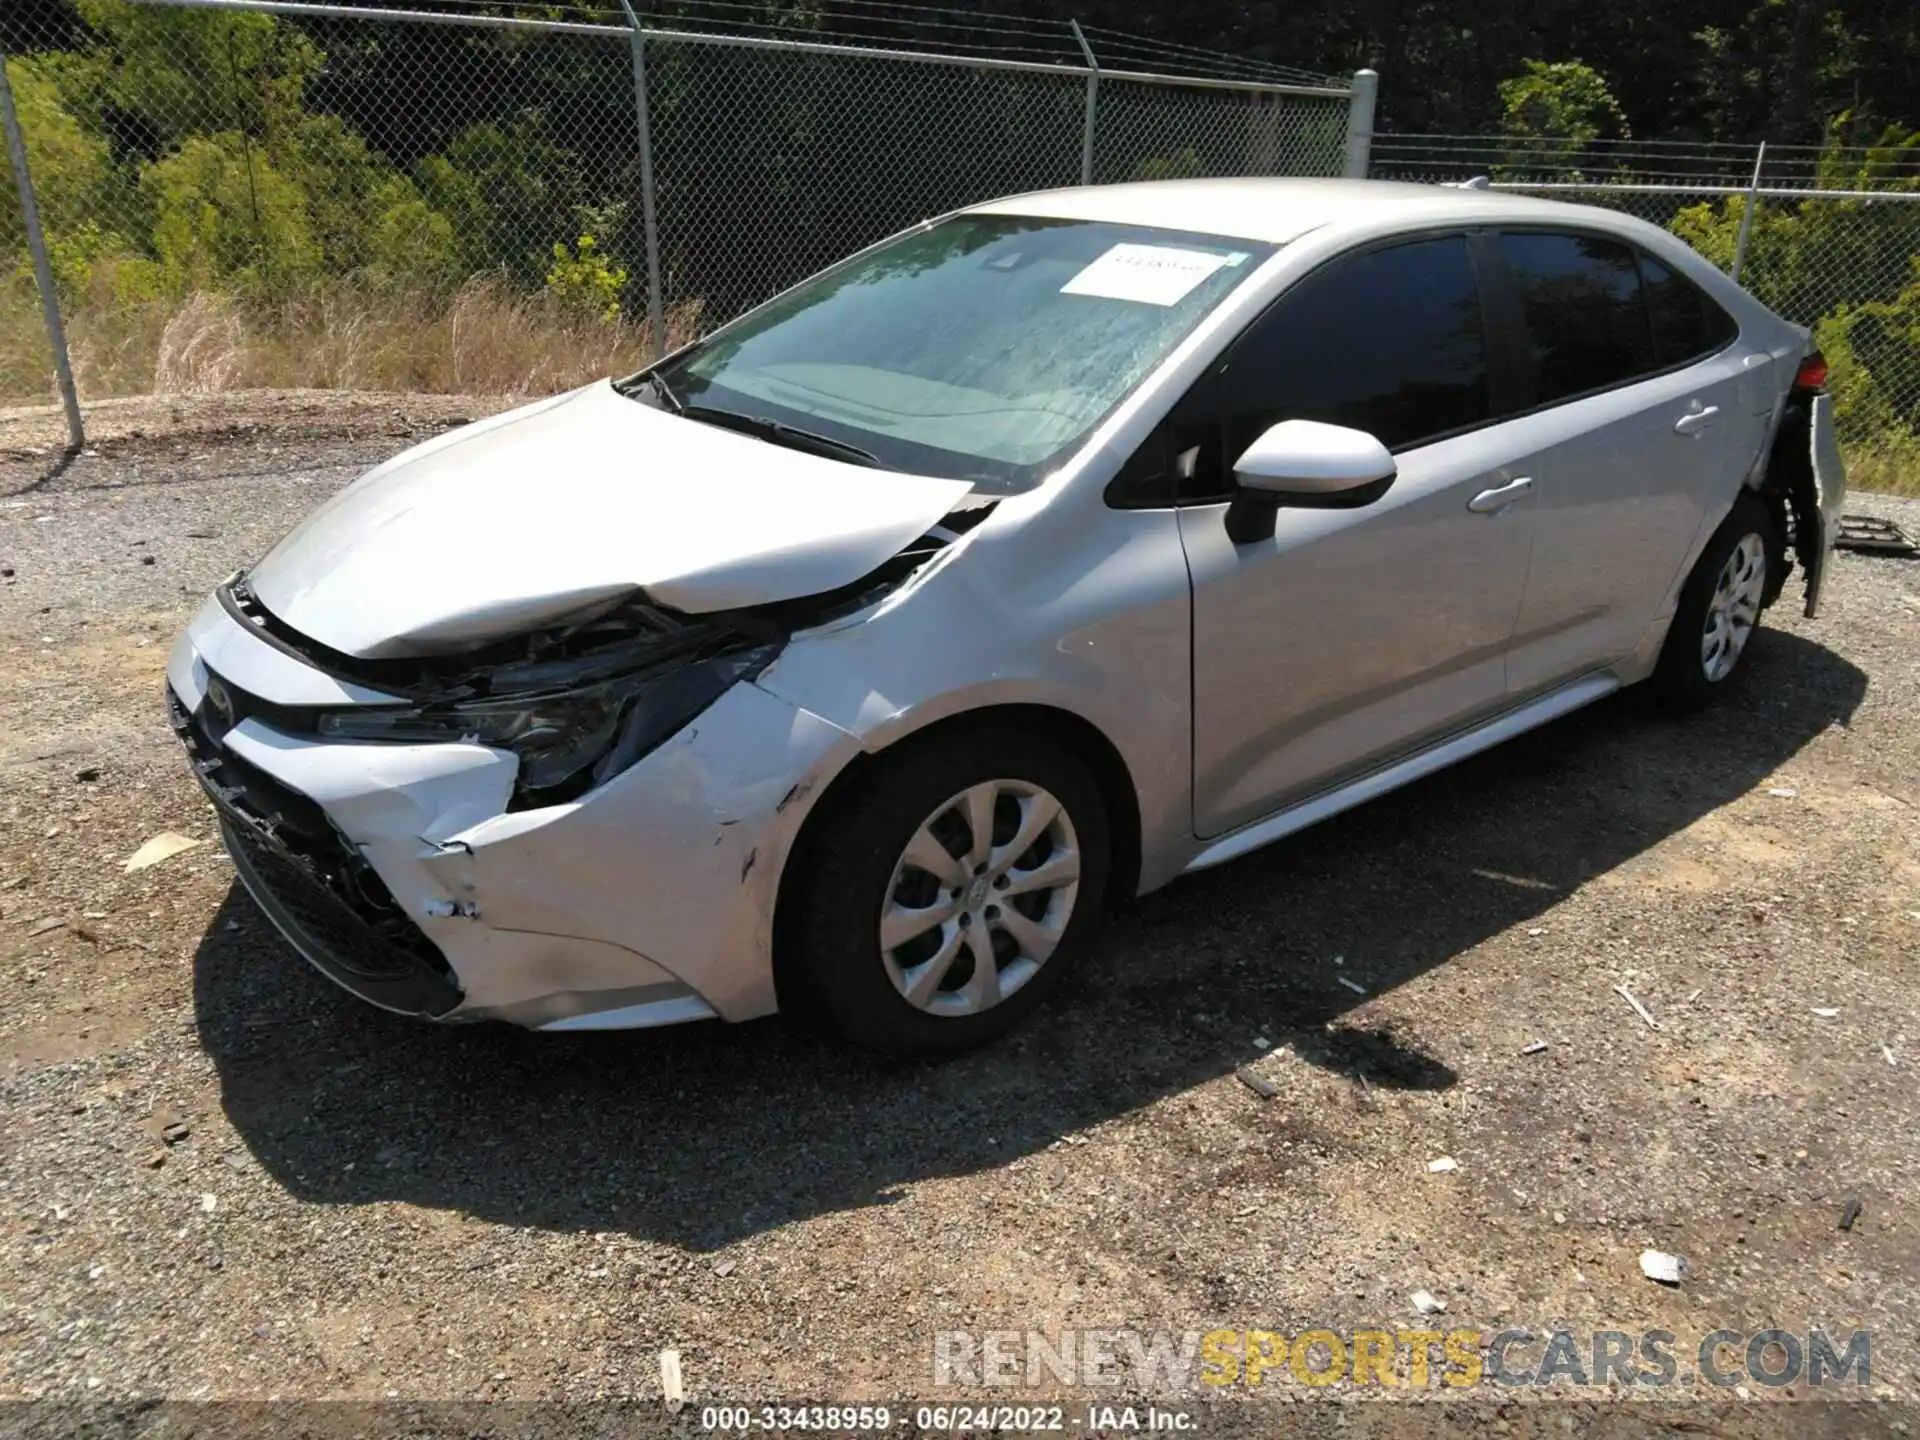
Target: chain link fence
(1828,236)
(1156,131)
(287,193)
(773,163)
(279,193)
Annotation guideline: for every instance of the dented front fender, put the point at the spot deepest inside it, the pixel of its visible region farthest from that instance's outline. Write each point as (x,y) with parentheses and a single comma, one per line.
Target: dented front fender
(677,859)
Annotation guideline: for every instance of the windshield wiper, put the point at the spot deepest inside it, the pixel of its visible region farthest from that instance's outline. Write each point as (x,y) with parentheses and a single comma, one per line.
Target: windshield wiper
(779,433)
(650,380)
(665,392)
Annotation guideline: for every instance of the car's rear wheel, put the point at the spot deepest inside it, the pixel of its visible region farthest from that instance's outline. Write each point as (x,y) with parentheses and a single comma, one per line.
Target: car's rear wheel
(1720,605)
(938,904)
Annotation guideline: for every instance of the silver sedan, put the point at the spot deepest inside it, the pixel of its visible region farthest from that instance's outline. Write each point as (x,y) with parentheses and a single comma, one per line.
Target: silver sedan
(853,658)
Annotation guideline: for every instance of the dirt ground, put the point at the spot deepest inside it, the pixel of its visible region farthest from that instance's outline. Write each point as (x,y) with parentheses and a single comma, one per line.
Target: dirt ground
(220,1177)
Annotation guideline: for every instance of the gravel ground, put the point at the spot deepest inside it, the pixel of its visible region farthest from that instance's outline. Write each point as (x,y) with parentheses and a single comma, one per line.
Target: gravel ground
(220,1177)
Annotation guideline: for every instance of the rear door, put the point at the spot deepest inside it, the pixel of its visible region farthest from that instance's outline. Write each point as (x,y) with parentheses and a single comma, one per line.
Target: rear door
(1351,635)
(1639,431)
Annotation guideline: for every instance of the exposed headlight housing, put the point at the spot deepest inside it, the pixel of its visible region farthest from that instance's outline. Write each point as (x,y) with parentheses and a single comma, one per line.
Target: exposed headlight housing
(567,739)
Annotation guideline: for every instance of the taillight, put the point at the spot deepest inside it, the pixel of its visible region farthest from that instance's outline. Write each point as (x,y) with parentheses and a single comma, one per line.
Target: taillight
(1812,374)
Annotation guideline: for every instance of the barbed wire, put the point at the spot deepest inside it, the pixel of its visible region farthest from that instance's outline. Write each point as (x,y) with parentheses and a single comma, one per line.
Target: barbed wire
(892,24)
(1257,69)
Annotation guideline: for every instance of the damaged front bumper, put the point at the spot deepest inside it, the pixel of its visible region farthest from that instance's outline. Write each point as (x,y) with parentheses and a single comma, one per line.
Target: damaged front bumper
(401,872)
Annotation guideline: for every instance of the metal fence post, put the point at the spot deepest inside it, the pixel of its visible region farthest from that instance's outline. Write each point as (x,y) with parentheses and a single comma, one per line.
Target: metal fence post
(656,298)
(42,270)
(1093,104)
(1746,214)
(1366,91)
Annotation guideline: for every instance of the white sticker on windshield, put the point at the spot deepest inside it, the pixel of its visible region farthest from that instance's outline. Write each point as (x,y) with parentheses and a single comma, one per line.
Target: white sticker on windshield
(1148,274)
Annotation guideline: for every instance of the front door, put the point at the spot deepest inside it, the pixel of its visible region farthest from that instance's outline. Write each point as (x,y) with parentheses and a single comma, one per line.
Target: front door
(1351,636)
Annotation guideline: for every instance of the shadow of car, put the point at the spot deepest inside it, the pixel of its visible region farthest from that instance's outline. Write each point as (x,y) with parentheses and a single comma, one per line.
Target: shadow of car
(700,1135)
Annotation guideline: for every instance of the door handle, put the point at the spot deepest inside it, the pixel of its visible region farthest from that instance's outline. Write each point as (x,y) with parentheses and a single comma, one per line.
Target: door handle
(1492,502)
(1694,421)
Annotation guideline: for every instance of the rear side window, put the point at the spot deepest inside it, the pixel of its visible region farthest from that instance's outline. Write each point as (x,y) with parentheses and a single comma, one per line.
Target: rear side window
(1586,317)
(1389,341)
(1687,324)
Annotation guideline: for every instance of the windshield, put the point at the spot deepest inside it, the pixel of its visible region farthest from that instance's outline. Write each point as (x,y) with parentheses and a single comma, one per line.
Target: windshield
(982,348)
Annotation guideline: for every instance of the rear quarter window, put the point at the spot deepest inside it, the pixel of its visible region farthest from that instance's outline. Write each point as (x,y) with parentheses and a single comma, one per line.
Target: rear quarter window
(1687,322)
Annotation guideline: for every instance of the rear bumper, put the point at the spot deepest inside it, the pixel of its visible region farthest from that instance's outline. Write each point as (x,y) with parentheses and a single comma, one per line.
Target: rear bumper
(1830,496)
(398,871)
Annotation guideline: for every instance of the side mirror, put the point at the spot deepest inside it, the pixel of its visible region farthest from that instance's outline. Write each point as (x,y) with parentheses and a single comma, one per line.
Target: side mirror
(1306,465)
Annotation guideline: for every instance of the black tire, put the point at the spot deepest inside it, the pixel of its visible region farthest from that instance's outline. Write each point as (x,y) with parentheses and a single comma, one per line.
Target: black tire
(833,968)
(1681,679)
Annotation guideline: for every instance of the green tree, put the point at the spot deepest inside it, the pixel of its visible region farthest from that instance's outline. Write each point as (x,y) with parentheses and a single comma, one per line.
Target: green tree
(242,186)
(69,162)
(1805,258)
(194,72)
(497,186)
(224,214)
(1866,346)
(585,281)
(1554,112)
(1844,267)
(346,187)
(86,204)
(1564,99)
(410,242)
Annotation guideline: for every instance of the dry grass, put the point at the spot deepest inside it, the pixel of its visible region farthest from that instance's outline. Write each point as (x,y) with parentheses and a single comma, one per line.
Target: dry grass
(1888,467)
(483,339)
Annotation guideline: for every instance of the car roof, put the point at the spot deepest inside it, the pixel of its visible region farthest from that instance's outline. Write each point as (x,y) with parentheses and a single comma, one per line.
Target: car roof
(1282,210)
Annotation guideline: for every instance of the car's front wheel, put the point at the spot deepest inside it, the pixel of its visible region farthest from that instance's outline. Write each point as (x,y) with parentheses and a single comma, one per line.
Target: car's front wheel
(937,904)
(1719,606)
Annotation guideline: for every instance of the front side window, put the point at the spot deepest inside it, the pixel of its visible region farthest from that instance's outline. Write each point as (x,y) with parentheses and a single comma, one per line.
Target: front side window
(984,348)
(1586,319)
(1388,341)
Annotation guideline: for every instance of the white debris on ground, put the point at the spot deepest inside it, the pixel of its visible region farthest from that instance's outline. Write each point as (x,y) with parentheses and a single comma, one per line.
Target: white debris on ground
(163,846)
(1660,1266)
(672,1388)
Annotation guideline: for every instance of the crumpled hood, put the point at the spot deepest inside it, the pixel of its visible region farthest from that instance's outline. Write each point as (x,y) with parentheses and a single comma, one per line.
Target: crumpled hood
(553,509)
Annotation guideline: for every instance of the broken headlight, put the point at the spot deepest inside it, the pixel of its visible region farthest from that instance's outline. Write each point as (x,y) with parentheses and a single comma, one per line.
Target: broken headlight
(566,739)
